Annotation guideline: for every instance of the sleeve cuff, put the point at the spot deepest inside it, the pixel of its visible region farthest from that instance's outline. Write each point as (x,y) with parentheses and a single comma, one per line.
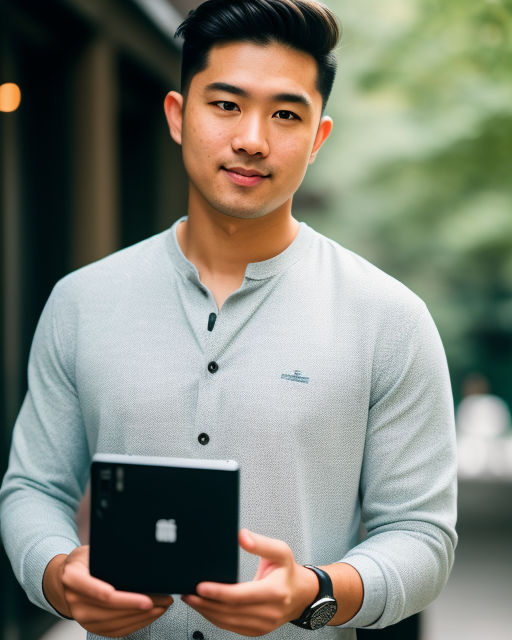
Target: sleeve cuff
(375,592)
(34,565)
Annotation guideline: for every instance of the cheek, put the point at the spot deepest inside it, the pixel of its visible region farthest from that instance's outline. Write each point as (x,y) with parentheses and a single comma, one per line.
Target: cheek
(292,153)
(198,152)
(212,133)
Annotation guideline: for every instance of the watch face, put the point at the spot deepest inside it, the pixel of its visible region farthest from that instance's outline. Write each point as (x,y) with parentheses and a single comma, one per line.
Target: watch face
(322,615)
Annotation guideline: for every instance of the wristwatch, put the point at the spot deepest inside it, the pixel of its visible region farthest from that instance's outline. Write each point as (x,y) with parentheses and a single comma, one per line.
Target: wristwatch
(324,606)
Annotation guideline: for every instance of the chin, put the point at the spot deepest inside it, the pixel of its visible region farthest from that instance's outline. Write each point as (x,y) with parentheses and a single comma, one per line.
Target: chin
(243,215)
(234,211)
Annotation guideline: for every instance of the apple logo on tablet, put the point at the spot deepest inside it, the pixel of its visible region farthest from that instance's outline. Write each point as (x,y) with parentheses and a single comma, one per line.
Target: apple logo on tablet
(166,531)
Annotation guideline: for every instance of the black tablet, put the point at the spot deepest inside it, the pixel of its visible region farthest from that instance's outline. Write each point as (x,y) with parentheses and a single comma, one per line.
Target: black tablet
(163,525)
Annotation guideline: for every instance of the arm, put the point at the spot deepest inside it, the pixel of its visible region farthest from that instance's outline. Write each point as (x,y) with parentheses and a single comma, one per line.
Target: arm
(408,478)
(48,470)
(49,459)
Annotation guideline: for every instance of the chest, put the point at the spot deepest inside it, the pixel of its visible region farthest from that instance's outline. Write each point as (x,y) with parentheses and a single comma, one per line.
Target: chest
(266,375)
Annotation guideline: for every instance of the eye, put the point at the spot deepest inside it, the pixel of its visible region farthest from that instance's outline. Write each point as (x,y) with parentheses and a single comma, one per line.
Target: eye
(229,105)
(286,114)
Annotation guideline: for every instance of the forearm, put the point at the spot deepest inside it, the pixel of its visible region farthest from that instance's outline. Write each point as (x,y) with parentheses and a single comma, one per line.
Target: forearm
(348,591)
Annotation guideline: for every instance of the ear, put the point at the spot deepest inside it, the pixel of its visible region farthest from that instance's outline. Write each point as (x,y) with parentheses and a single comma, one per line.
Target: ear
(323,132)
(173,107)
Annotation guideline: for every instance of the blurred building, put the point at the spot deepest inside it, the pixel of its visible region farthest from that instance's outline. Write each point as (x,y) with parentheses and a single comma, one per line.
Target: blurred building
(87,166)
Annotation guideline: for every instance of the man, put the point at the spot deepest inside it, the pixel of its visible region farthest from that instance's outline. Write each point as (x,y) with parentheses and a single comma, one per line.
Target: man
(240,333)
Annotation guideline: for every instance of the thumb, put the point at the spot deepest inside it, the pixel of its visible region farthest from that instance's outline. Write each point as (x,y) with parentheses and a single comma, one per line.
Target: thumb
(276,551)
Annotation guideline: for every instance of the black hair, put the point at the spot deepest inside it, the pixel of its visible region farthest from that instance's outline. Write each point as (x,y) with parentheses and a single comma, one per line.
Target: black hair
(304,25)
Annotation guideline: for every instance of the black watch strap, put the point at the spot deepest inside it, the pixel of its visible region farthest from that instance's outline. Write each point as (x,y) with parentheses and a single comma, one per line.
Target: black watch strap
(324,596)
(325,582)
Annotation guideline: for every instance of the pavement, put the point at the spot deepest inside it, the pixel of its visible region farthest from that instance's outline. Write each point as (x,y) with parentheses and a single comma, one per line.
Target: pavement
(476,603)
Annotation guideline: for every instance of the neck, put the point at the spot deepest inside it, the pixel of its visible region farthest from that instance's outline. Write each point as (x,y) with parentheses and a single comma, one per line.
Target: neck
(222,246)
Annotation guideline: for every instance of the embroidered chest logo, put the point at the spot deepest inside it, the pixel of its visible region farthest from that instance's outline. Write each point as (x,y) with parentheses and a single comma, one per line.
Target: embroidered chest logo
(296,376)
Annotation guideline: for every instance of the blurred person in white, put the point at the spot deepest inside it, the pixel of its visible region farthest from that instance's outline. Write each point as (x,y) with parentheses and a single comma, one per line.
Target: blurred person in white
(484,431)
(321,375)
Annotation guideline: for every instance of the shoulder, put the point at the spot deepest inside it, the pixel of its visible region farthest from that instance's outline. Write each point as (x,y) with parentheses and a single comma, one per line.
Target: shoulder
(362,285)
(106,278)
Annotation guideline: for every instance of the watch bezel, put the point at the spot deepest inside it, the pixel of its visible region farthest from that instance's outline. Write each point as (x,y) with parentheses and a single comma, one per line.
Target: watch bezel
(318,607)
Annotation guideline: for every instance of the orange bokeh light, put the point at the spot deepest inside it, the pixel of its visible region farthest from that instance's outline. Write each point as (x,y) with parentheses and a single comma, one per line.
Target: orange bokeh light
(10,96)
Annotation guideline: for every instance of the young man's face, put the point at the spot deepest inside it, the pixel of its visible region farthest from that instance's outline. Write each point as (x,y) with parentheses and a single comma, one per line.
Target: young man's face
(254,108)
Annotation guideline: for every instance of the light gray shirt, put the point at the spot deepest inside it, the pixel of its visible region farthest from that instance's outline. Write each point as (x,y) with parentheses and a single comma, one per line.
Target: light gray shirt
(332,392)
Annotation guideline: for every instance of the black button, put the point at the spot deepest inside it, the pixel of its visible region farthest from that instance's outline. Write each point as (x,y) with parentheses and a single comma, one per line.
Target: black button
(213,367)
(203,438)
(211,321)
(197,635)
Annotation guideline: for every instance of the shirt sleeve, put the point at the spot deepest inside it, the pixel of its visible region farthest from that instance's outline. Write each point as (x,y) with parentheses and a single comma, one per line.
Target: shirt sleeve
(49,460)
(408,479)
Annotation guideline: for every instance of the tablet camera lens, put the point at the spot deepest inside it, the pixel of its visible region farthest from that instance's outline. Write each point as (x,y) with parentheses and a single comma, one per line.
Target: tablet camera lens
(105,486)
(120,479)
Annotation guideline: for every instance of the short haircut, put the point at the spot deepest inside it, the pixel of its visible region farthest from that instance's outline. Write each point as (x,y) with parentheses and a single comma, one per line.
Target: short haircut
(304,25)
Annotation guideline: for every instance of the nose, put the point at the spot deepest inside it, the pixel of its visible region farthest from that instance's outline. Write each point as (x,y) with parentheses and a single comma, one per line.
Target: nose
(251,136)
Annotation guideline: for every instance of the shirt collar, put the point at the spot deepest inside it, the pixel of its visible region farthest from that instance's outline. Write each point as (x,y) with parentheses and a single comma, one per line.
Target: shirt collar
(255,270)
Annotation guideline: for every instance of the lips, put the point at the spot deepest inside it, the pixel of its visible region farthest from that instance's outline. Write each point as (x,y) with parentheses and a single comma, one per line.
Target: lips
(246,172)
(244,177)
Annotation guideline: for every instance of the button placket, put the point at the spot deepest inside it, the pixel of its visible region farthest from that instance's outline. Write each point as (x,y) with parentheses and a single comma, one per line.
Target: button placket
(209,387)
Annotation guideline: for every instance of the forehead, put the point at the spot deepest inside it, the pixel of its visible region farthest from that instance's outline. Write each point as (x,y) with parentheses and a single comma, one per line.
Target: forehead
(260,69)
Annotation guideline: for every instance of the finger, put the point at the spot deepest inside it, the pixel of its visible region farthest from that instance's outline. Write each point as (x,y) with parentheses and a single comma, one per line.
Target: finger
(161,599)
(77,578)
(110,620)
(78,598)
(82,582)
(210,607)
(244,592)
(132,628)
(270,548)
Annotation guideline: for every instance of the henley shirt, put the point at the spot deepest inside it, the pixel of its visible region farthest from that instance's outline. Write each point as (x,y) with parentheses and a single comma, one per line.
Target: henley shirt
(331,391)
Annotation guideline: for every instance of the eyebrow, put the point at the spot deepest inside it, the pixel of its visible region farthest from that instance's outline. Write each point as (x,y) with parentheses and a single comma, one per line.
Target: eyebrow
(298,98)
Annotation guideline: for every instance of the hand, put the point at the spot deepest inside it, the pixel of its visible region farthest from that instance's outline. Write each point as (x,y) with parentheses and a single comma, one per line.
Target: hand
(95,604)
(279,592)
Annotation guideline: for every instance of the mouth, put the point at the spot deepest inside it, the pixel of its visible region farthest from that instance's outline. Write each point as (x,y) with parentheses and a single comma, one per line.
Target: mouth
(245,177)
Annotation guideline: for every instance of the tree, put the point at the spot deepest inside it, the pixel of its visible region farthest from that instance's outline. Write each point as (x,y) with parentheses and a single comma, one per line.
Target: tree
(418,170)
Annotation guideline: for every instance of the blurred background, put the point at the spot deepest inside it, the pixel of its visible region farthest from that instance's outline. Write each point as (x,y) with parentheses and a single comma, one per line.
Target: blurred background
(416,178)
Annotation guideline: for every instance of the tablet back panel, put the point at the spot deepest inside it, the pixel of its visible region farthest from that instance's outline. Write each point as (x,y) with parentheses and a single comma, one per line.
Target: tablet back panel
(163,529)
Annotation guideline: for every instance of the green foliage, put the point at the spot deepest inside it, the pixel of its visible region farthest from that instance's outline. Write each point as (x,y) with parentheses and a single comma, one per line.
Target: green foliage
(419,164)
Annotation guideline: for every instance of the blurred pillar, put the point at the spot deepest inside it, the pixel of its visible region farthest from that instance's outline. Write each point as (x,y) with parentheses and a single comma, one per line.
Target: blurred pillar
(96,224)
(11,268)
(11,374)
